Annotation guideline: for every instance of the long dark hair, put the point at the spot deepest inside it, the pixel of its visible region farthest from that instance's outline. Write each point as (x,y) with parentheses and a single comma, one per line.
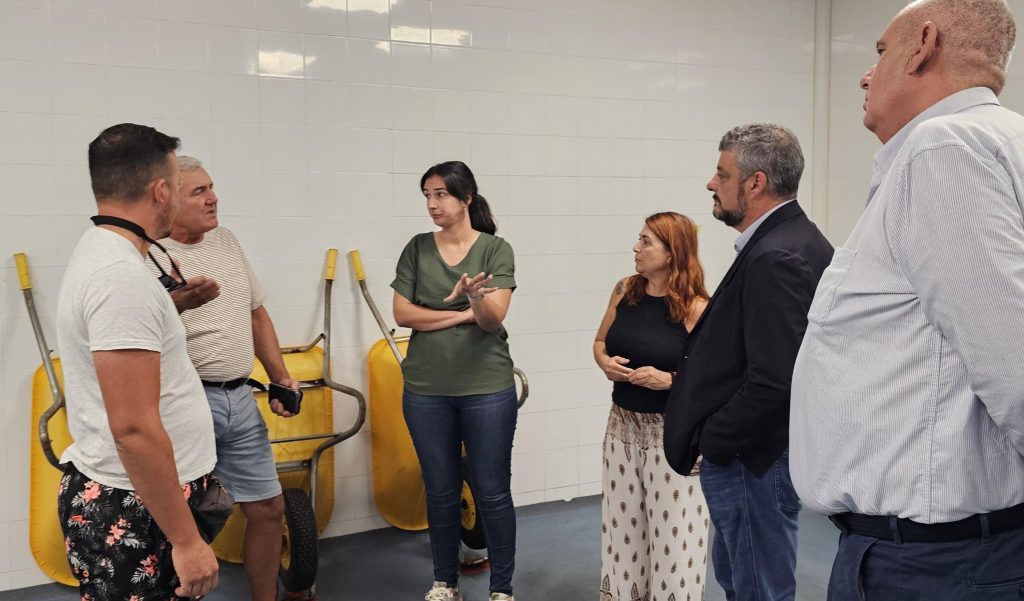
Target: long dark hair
(461,184)
(686,276)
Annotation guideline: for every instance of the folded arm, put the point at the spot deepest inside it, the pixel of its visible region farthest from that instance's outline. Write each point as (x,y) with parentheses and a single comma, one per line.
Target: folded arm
(422,319)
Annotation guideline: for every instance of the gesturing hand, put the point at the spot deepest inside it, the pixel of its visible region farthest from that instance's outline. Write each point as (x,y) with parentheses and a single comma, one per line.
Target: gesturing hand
(195,293)
(473,288)
(615,368)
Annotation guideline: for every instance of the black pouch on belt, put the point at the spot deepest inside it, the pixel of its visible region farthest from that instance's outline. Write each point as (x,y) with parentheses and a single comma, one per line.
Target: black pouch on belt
(213,509)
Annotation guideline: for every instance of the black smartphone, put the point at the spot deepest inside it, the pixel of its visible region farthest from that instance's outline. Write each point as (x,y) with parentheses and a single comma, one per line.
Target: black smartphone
(290,399)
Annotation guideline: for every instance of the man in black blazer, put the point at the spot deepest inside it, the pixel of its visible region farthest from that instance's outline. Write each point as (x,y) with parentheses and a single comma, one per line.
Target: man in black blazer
(730,398)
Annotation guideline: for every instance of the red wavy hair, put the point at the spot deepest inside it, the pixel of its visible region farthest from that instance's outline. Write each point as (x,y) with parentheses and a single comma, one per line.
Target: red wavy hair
(686,277)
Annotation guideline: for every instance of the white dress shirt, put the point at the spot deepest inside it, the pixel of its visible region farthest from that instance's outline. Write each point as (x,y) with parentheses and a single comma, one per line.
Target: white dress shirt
(908,391)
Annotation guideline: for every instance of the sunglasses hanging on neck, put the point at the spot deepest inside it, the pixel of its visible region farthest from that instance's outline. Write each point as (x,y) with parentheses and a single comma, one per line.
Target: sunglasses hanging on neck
(169,282)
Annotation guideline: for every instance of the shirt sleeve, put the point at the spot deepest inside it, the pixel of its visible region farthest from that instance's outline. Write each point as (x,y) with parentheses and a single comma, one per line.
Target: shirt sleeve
(230,244)
(960,241)
(123,309)
(405,272)
(503,266)
(257,296)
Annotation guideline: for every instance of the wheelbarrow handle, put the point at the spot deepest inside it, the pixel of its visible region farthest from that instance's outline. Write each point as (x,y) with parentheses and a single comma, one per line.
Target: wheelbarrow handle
(357,267)
(332,260)
(525,392)
(357,264)
(56,394)
(44,434)
(23,277)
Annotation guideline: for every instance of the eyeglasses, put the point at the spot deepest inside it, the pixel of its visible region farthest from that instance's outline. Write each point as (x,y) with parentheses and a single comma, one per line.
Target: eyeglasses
(168,281)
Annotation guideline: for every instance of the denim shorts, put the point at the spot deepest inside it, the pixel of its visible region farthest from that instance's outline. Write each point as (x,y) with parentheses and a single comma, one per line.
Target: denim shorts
(245,461)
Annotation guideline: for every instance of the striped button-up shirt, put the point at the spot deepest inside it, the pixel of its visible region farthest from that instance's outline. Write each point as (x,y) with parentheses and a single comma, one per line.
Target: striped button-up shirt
(908,391)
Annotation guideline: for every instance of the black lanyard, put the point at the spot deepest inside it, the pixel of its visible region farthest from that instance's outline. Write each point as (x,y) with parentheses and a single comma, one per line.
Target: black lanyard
(168,281)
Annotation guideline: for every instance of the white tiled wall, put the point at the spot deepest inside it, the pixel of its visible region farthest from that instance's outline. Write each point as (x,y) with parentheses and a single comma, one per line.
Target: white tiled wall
(856,25)
(316,118)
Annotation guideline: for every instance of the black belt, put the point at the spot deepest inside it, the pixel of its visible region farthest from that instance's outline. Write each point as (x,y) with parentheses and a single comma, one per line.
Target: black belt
(233,384)
(904,530)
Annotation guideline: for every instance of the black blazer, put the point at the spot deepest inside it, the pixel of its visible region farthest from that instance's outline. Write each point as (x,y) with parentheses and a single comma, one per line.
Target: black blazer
(730,396)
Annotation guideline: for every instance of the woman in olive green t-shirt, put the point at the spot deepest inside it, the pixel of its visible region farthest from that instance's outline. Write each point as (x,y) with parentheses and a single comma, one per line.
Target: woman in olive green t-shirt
(459,386)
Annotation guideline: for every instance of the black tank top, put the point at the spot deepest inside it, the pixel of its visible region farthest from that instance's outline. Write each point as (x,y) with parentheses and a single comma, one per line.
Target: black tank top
(644,334)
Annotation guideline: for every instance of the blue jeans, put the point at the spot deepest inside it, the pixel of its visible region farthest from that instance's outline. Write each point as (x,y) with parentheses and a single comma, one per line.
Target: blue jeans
(986,569)
(486,423)
(755,518)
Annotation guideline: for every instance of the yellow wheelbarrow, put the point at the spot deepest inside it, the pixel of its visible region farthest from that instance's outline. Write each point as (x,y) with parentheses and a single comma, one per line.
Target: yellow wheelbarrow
(302,451)
(397,479)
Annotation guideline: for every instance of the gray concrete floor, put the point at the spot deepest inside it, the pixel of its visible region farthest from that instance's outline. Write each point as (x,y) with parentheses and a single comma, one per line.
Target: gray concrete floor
(558,559)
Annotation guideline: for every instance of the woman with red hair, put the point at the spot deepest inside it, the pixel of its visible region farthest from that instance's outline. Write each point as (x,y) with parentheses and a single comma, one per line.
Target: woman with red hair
(655,524)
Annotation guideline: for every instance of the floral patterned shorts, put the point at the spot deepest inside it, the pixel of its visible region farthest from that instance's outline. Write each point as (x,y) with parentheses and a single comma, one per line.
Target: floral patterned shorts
(114,547)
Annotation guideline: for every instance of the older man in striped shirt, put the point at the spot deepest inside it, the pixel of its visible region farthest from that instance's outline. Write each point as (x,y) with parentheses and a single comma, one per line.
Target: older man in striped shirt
(226,324)
(907,422)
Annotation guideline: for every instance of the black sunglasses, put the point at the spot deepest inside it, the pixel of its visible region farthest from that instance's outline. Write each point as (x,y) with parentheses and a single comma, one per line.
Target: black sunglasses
(168,281)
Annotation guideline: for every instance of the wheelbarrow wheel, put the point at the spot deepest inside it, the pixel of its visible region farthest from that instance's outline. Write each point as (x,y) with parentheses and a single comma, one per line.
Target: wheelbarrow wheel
(300,552)
(472,525)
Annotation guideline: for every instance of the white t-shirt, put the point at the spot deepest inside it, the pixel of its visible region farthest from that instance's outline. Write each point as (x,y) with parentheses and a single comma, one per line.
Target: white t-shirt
(220,332)
(110,301)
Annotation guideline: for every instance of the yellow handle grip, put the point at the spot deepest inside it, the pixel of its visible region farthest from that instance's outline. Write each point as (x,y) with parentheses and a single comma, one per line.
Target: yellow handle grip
(332,259)
(357,264)
(22,261)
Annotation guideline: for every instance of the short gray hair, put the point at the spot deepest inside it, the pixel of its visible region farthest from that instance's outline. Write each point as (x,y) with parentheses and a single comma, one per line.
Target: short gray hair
(770,149)
(187,163)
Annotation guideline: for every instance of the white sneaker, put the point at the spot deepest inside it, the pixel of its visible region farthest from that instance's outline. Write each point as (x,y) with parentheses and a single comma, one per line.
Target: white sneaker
(441,592)
(502,597)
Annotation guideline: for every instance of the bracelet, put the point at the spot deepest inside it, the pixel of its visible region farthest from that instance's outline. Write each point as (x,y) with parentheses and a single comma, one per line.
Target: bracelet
(474,298)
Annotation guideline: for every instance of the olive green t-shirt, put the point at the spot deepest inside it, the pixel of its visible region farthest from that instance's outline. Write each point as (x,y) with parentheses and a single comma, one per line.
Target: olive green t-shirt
(463,359)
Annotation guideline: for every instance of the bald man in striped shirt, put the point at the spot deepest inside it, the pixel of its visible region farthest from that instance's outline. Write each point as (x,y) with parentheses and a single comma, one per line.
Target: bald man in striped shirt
(226,325)
(907,421)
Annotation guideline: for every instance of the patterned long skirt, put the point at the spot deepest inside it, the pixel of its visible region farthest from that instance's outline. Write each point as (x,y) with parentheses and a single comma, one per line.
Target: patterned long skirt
(654,533)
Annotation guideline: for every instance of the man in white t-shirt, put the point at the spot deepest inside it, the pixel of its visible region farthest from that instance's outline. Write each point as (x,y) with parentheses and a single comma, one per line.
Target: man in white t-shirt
(224,334)
(143,448)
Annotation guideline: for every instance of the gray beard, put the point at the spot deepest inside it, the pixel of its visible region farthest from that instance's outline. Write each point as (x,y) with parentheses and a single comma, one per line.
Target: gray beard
(731,217)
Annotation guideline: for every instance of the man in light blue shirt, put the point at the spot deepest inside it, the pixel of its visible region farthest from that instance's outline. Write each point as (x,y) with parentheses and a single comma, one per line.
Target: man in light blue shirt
(907,422)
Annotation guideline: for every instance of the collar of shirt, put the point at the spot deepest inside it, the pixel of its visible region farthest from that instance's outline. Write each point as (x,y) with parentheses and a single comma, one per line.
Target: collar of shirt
(749,232)
(954,103)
